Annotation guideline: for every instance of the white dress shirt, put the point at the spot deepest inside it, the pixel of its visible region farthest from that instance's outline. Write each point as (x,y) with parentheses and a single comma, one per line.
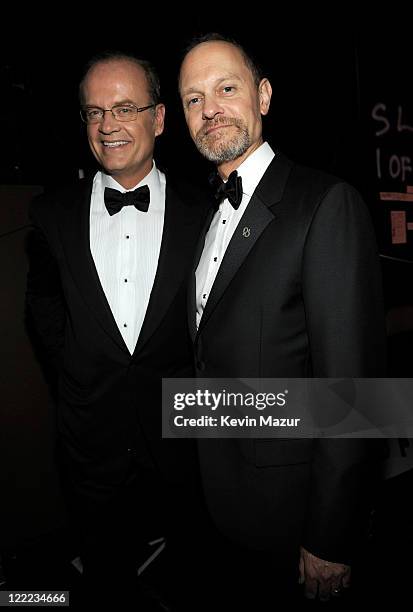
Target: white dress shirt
(125,248)
(224,223)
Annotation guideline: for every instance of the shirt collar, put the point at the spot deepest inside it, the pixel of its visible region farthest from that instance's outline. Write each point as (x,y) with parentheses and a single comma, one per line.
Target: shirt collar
(150,179)
(252,169)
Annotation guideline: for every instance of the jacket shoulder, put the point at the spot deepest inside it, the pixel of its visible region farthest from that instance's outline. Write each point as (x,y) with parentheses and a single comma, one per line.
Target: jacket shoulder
(51,201)
(314,182)
(311,187)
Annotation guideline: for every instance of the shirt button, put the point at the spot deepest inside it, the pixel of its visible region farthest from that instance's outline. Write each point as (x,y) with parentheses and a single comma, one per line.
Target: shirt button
(215,258)
(124,325)
(127,236)
(126,280)
(224,221)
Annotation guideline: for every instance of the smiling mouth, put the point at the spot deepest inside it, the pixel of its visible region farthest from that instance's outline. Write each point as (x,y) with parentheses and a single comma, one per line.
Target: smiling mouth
(114,144)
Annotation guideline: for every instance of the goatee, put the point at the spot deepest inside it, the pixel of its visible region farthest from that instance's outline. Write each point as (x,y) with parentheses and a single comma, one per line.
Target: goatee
(218,148)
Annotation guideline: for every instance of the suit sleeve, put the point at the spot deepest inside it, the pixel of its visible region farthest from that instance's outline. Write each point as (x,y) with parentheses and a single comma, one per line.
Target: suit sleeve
(345,322)
(45,307)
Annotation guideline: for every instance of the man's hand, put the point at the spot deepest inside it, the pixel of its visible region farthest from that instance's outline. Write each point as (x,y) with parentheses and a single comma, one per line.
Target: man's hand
(322,577)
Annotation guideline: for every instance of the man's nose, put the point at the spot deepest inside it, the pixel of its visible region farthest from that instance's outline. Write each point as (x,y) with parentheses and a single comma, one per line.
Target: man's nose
(108,123)
(211,108)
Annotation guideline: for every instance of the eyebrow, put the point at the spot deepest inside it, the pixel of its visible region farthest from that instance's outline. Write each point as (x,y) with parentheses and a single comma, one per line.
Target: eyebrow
(218,82)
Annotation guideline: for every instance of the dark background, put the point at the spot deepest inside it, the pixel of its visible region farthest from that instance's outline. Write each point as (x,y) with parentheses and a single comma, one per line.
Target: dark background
(327,74)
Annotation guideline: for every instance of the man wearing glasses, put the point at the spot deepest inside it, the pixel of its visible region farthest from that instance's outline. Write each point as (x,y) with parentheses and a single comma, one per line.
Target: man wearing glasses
(108,261)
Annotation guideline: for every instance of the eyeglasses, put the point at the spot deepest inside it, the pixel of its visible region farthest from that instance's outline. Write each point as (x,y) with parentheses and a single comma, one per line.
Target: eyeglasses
(120,112)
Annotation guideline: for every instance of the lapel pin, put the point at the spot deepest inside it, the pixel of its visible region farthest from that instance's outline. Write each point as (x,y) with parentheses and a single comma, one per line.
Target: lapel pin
(246,232)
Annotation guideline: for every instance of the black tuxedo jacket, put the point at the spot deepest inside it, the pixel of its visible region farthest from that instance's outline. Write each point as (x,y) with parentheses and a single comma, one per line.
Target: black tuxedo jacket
(297,295)
(109,407)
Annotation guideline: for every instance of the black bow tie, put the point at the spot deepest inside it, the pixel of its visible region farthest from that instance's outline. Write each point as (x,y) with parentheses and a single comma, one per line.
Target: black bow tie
(115,200)
(232,189)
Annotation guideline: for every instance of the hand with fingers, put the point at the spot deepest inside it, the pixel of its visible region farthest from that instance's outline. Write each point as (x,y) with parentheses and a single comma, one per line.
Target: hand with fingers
(322,578)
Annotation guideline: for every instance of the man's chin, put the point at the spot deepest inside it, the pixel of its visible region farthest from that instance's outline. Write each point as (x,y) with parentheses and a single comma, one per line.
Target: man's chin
(219,149)
(112,170)
(220,155)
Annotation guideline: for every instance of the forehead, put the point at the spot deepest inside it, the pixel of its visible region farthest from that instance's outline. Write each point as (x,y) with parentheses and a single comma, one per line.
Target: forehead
(116,75)
(211,61)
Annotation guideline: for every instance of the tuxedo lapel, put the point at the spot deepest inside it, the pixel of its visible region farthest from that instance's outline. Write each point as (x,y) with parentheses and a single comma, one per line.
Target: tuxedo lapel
(173,260)
(75,235)
(253,222)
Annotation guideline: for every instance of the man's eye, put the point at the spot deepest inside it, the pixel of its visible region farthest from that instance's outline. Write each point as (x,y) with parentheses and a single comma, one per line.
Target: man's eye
(193,101)
(228,88)
(93,112)
(124,110)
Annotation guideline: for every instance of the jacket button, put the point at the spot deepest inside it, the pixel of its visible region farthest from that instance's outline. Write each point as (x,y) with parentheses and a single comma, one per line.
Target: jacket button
(200,366)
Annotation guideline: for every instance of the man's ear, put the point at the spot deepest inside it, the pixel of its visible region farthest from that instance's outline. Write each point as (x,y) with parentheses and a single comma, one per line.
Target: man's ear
(265,93)
(159,118)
